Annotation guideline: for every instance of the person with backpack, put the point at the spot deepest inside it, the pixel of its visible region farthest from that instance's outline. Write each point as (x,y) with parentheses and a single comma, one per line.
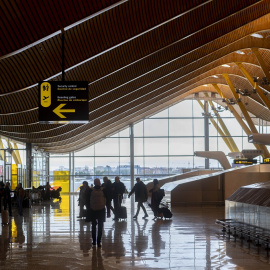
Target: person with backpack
(141,196)
(97,207)
(155,198)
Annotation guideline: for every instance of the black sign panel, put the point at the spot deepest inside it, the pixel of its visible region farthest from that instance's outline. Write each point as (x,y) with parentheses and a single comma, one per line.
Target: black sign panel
(63,101)
(245,161)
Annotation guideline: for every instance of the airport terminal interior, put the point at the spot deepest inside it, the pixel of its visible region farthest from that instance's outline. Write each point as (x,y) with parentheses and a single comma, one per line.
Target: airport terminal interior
(177,91)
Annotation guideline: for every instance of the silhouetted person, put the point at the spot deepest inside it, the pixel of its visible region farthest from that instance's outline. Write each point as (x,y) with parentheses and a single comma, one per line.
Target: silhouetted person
(20,193)
(141,196)
(155,198)
(107,185)
(2,194)
(97,206)
(118,189)
(47,194)
(84,199)
(7,198)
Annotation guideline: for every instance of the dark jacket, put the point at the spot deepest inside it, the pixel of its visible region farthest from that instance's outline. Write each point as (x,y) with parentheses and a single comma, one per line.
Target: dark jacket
(118,188)
(108,190)
(141,193)
(84,197)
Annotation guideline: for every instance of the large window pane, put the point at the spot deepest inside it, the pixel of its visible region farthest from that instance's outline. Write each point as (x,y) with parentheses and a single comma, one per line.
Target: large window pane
(107,147)
(199,144)
(212,129)
(222,146)
(138,129)
(138,147)
(89,151)
(199,163)
(84,166)
(178,163)
(233,126)
(198,125)
(156,127)
(155,146)
(138,165)
(124,146)
(197,109)
(161,114)
(214,164)
(180,127)
(60,163)
(156,165)
(212,144)
(182,109)
(181,146)
(106,165)
(124,133)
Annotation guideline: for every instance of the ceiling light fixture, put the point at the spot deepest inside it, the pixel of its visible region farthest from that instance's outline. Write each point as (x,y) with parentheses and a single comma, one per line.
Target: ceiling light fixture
(240,52)
(225,65)
(257,35)
(215,76)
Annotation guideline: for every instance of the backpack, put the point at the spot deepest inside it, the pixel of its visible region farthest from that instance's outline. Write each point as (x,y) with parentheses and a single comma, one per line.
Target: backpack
(97,199)
(161,194)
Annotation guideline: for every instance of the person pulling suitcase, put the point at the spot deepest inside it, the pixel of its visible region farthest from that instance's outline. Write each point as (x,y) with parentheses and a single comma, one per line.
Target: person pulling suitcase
(141,196)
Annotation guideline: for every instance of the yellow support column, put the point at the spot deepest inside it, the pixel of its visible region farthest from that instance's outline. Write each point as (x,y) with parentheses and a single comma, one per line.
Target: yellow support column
(260,92)
(245,113)
(225,130)
(2,152)
(237,116)
(223,136)
(13,153)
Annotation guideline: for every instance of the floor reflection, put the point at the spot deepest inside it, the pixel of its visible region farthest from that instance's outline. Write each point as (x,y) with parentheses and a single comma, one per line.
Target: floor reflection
(49,236)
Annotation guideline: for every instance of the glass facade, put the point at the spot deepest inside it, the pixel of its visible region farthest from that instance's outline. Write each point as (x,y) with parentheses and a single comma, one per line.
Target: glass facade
(164,145)
(12,162)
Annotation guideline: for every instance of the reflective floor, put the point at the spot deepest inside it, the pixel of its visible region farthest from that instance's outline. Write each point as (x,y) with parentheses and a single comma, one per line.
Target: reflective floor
(49,236)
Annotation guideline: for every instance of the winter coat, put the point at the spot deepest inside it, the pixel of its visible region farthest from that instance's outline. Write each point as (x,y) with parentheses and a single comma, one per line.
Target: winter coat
(140,190)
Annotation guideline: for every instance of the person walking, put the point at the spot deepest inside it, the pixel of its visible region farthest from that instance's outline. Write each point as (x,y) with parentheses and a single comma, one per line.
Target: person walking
(141,196)
(84,199)
(7,198)
(2,194)
(155,198)
(97,206)
(107,185)
(20,193)
(118,189)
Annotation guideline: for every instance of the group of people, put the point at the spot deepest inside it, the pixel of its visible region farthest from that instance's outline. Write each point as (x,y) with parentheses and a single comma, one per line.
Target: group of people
(5,197)
(95,202)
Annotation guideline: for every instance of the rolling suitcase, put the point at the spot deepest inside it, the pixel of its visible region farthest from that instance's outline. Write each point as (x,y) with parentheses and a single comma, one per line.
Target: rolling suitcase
(4,214)
(166,212)
(122,212)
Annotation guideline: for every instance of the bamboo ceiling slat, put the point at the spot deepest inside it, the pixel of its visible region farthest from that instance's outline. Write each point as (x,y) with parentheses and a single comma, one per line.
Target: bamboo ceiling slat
(138,58)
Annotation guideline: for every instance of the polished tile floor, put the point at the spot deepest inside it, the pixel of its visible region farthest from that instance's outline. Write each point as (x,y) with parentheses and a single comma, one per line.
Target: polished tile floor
(49,236)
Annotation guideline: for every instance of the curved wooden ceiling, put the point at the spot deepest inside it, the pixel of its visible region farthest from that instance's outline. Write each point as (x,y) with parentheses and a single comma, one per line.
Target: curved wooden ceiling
(139,56)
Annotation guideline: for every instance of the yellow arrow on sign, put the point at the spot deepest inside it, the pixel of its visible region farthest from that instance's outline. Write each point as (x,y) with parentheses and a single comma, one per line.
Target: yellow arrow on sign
(59,112)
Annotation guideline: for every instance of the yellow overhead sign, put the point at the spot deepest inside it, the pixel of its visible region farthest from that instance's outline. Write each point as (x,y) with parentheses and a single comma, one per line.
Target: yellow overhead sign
(63,101)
